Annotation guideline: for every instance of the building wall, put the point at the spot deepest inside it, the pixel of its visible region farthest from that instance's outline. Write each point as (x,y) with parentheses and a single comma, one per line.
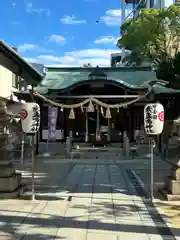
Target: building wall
(159,3)
(162,3)
(8,83)
(6,78)
(153,4)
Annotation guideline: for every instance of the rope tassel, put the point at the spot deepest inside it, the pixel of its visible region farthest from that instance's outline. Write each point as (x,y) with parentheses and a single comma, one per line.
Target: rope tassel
(72,114)
(102,111)
(82,110)
(90,107)
(108,113)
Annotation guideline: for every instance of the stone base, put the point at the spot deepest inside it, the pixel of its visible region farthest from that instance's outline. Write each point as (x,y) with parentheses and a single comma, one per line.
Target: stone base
(173,186)
(11,195)
(175,173)
(169,197)
(10,182)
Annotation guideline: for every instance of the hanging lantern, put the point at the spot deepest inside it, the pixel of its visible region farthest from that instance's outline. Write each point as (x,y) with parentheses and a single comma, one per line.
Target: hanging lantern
(30,117)
(118,110)
(90,107)
(72,114)
(108,113)
(102,111)
(62,110)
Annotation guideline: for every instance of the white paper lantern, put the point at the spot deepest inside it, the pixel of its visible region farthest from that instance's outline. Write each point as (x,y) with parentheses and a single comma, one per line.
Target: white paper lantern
(30,117)
(153,118)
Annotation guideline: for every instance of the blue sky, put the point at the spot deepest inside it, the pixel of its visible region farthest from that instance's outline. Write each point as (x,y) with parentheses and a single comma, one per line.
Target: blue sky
(62,32)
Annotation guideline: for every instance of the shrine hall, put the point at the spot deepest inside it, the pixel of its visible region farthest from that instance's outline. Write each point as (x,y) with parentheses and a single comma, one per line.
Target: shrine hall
(96,105)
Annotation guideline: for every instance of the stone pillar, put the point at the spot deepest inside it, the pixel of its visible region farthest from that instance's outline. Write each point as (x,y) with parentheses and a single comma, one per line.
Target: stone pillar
(172,185)
(171,188)
(126,144)
(10,181)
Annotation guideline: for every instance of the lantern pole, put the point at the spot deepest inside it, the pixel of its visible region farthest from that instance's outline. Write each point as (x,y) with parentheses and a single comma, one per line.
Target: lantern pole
(33,194)
(33,168)
(22,148)
(153,125)
(152,145)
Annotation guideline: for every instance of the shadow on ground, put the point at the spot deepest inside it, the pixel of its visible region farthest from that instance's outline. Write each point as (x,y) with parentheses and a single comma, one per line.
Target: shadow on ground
(18,226)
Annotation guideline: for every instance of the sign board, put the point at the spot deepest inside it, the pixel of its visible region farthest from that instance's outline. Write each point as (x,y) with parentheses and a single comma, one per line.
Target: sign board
(30,117)
(153,118)
(52,121)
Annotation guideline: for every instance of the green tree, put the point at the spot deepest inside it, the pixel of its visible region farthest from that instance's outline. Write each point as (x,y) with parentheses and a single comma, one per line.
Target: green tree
(155,34)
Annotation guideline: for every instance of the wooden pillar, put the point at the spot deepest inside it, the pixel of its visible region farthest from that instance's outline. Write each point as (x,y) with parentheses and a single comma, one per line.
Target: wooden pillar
(132,123)
(97,123)
(39,133)
(65,122)
(68,121)
(109,130)
(87,127)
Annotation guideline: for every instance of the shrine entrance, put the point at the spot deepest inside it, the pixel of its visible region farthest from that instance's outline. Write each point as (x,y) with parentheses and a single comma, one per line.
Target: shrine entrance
(98,111)
(96,106)
(109,112)
(97,128)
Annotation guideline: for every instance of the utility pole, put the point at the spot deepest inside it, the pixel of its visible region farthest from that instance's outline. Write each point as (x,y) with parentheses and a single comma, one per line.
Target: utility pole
(123,15)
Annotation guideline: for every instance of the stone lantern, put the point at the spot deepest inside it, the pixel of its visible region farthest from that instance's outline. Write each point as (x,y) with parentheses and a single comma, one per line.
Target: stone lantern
(10,181)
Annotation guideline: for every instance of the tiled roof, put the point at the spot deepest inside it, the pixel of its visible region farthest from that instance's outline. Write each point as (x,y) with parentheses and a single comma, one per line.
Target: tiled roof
(14,62)
(131,77)
(60,78)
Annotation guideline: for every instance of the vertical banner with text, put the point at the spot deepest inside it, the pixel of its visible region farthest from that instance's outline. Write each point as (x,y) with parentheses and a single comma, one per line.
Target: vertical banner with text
(52,120)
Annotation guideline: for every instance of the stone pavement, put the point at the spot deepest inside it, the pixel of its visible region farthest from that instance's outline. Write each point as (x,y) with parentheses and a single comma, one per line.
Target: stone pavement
(97,201)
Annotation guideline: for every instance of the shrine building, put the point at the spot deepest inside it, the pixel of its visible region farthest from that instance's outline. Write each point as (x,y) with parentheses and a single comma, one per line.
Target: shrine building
(96,104)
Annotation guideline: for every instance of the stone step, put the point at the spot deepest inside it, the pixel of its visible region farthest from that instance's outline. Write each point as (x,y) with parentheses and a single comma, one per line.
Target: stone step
(175,173)
(173,186)
(169,197)
(11,195)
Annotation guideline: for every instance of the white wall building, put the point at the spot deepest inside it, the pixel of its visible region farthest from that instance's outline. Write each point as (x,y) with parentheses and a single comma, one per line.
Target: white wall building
(161,3)
(8,84)
(137,5)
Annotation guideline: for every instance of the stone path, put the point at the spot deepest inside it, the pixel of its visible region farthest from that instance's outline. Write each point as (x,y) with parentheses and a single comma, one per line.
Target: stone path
(93,202)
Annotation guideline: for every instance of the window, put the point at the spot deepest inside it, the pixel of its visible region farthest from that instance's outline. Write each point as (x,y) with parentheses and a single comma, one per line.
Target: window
(15,81)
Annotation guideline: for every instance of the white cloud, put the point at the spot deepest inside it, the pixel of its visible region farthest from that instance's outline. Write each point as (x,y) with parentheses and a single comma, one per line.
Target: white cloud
(71,20)
(106,40)
(33,48)
(31,9)
(14,4)
(57,38)
(26,47)
(113,16)
(100,57)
